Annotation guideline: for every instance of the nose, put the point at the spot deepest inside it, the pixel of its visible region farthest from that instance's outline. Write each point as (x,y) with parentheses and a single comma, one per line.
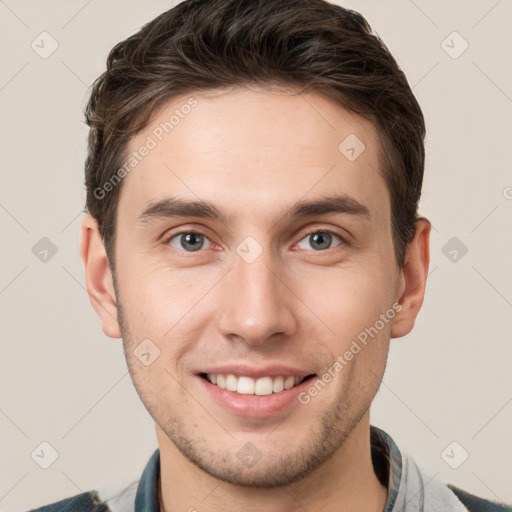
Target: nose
(257,302)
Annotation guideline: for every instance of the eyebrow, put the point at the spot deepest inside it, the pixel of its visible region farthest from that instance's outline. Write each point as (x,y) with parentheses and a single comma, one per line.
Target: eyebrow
(175,207)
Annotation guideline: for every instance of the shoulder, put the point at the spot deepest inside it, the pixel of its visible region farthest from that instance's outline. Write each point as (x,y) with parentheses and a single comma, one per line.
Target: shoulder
(84,502)
(475,504)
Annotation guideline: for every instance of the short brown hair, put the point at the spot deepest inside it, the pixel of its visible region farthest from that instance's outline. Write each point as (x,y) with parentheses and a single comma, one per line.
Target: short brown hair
(201,45)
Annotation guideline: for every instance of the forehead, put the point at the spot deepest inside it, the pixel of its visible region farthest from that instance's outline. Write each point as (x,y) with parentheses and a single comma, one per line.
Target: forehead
(253,149)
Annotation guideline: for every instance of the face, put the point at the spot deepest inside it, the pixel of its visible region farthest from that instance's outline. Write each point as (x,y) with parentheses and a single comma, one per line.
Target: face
(284,269)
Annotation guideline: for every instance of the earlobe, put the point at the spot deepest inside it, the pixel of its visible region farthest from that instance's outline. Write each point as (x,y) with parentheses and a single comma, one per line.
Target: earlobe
(413,279)
(98,277)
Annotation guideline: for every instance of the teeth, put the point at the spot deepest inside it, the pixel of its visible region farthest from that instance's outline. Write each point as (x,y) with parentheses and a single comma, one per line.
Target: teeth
(289,382)
(263,386)
(278,384)
(245,386)
(221,381)
(231,382)
(249,386)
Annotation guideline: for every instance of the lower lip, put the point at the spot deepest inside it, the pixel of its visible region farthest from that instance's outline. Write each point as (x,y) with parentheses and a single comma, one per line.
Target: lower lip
(254,406)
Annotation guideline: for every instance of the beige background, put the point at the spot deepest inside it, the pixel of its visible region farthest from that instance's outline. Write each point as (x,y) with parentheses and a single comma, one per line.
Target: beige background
(64,382)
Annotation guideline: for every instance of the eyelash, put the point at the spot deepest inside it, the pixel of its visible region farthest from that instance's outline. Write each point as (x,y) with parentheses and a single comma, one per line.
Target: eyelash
(305,235)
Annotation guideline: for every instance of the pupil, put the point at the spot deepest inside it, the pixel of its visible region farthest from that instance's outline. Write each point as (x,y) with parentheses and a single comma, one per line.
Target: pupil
(190,241)
(322,239)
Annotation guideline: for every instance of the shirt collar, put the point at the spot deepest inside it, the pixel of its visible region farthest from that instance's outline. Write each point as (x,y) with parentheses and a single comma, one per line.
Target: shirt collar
(387,464)
(386,459)
(146,499)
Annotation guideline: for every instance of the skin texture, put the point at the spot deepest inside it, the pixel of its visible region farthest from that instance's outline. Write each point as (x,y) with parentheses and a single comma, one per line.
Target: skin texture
(254,153)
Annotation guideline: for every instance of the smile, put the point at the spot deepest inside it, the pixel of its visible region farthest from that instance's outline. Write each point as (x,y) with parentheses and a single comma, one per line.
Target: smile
(245,385)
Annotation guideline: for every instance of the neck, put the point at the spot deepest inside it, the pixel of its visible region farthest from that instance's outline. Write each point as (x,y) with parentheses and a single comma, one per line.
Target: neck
(344,482)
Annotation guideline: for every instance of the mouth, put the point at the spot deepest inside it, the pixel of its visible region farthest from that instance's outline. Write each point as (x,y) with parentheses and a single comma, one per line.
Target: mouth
(262,386)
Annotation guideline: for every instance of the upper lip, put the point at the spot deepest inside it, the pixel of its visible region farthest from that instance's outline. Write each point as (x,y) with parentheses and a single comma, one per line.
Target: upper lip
(254,372)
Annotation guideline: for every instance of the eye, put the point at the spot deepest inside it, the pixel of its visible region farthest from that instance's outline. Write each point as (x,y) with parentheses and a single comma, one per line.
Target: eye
(320,240)
(189,241)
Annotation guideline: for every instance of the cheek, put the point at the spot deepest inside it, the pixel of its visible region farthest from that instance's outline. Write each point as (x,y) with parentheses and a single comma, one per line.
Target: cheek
(157,298)
(347,299)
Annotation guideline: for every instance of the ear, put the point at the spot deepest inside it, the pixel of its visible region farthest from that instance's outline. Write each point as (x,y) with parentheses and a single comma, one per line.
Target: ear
(98,277)
(413,278)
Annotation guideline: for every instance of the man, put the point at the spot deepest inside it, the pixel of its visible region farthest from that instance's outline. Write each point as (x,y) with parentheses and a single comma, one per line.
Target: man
(253,179)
